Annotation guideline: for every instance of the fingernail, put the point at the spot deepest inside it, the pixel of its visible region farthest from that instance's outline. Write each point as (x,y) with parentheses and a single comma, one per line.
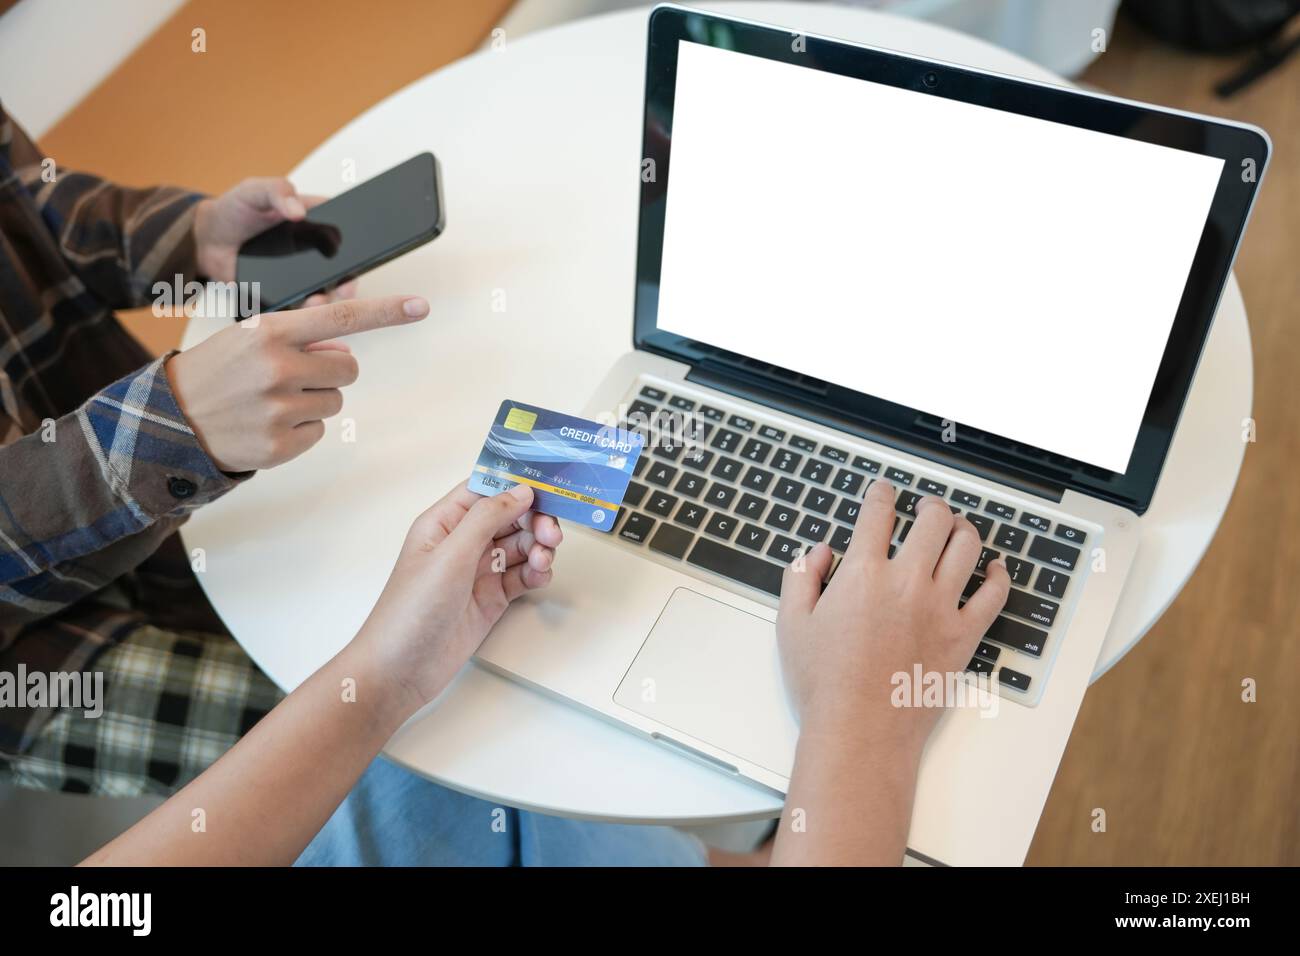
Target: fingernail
(415,307)
(521,492)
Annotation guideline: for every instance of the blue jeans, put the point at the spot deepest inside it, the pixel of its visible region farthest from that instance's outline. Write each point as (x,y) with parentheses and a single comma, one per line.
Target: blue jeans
(393,817)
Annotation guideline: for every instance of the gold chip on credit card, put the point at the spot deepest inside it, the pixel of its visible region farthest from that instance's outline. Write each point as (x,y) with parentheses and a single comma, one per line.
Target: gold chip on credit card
(519,420)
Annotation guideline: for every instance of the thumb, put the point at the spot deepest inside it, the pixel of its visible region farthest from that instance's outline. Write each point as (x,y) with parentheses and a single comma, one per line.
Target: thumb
(467,542)
(801,584)
(278,194)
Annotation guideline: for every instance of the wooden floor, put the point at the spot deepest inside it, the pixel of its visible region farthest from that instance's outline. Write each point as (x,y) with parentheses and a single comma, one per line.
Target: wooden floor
(1186,772)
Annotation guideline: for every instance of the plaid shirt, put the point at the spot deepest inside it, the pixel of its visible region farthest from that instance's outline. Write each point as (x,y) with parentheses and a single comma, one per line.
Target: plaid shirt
(98,466)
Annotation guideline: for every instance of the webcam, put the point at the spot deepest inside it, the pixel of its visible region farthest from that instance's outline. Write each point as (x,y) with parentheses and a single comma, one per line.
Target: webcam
(930,79)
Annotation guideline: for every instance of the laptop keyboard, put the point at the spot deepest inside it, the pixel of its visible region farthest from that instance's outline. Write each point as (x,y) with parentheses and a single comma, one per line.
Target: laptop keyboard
(739,497)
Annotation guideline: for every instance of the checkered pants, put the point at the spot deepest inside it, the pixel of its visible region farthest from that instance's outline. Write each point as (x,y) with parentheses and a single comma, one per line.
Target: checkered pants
(174,701)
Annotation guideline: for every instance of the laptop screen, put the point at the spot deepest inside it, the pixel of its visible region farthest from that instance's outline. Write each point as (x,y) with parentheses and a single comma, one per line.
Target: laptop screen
(1014,274)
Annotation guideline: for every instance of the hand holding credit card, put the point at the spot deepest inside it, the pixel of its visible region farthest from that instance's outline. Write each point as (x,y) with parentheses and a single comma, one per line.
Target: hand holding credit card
(578,469)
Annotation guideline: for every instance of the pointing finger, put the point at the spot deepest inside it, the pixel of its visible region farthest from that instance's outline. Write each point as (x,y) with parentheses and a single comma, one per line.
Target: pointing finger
(302,327)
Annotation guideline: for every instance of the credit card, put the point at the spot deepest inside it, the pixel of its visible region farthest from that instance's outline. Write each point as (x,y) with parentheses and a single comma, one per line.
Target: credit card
(578,469)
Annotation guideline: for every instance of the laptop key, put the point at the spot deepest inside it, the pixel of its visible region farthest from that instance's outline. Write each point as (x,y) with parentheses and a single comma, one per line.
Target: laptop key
(902,535)
(803,444)
(1020,571)
(787,489)
(668,450)
(728,469)
(641,413)
(721,526)
(712,414)
(815,470)
(661,504)
(907,502)
(741,422)
(774,434)
(819,501)
(928,487)
(726,440)
(982,524)
(1001,510)
(1054,552)
(1035,522)
(840,538)
(813,528)
(654,394)
(642,463)
(752,537)
(671,540)
(685,404)
(1010,538)
(689,485)
(1017,636)
(634,494)
(714,556)
(866,464)
(691,514)
(637,527)
(786,460)
(835,454)
(986,555)
(898,476)
(965,498)
(751,507)
(847,510)
(784,549)
(988,651)
(1052,583)
(978,665)
(697,458)
(1014,678)
(782,517)
(848,482)
(1031,608)
(720,496)
(661,474)
(756,450)
(1070,534)
(757,479)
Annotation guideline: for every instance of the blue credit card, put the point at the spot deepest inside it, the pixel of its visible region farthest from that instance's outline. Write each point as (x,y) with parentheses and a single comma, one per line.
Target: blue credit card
(578,469)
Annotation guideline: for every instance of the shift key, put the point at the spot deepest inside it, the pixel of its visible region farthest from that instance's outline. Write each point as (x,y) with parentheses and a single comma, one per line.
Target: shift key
(1015,635)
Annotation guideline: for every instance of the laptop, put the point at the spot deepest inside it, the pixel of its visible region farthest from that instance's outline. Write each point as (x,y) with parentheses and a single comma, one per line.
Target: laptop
(852,266)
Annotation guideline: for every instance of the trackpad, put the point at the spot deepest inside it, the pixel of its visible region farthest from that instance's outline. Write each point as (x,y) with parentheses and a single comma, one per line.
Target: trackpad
(711,671)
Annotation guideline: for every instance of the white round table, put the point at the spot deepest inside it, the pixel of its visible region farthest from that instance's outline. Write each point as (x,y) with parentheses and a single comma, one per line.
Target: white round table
(531,289)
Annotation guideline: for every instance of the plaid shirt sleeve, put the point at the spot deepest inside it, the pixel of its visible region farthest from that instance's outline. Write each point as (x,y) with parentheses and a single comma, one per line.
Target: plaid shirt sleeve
(101,488)
(117,240)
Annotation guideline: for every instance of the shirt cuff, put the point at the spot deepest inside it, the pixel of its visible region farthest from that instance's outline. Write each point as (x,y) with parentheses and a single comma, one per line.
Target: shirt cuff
(150,453)
(174,259)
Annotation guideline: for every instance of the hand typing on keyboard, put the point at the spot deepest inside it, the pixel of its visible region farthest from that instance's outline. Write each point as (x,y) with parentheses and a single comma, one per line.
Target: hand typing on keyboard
(855,768)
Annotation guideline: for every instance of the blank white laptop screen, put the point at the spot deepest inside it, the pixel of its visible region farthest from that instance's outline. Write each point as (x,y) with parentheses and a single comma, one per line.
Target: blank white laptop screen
(1008,273)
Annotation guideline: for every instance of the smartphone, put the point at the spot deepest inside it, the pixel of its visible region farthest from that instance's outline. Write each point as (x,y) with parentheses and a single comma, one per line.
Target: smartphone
(382,218)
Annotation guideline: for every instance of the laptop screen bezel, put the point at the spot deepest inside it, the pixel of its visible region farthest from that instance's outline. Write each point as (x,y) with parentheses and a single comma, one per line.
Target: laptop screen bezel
(1001,457)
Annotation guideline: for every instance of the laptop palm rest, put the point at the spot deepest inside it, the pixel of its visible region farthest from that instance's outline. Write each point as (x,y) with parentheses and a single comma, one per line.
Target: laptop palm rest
(710,672)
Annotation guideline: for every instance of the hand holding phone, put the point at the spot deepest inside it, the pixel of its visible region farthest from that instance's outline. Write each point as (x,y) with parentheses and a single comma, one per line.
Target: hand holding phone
(341,238)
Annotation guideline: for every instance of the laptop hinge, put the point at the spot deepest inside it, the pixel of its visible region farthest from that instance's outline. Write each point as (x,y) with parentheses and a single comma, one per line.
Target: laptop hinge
(789,401)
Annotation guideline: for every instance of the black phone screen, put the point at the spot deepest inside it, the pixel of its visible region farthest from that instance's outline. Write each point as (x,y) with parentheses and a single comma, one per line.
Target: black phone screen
(345,236)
